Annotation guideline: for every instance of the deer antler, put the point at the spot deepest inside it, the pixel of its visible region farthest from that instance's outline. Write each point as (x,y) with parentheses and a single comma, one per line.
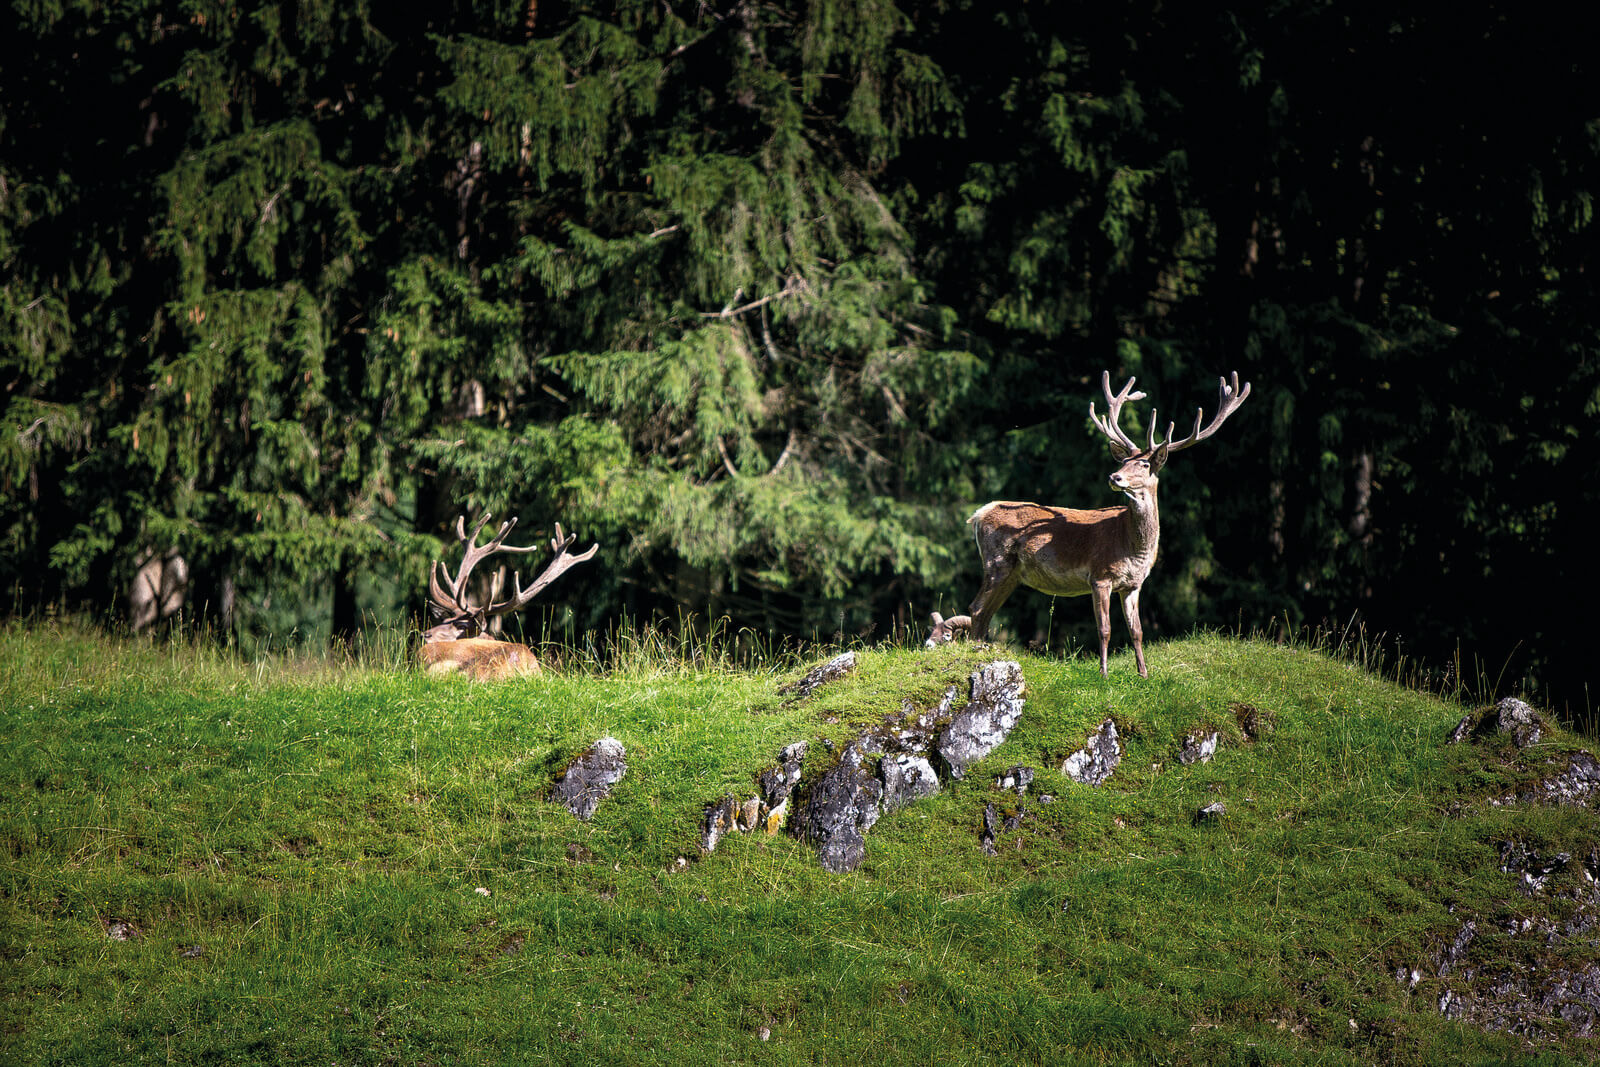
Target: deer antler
(558,566)
(1122,446)
(1228,400)
(451,594)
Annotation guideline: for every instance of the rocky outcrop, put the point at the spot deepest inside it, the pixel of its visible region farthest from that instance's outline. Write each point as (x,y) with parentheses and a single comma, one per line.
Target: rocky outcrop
(1577,783)
(1511,717)
(589,778)
(1547,978)
(1523,991)
(838,792)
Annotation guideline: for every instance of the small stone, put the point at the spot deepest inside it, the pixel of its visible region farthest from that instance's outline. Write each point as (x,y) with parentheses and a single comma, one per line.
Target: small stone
(721,818)
(837,667)
(1094,763)
(1211,812)
(1017,779)
(1198,748)
(763,1033)
(481,891)
(589,778)
(750,814)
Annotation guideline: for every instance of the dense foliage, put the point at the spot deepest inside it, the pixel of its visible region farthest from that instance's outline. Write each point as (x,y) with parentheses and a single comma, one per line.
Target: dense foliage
(766,297)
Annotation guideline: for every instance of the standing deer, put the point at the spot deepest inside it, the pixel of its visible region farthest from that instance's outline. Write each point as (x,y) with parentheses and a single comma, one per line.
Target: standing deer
(1071,552)
(454,644)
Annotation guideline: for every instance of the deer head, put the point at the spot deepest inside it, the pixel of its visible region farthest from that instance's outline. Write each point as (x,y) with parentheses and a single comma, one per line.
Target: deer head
(449,598)
(945,630)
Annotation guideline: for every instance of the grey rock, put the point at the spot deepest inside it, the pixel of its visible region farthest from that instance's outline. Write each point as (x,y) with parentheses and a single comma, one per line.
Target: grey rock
(906,777)
(721,819)
(1577,784)
(838,809)
(750,814)
(820,675)
(1211,812)
(1532,869)
(589,778)
(1462,731)
(1100,755)
(994,707)
(778,782)
(1198,748)
(1516,718)
(1016,778)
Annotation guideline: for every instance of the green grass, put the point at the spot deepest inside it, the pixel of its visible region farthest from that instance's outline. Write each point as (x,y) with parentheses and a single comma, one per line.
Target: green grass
(299,846)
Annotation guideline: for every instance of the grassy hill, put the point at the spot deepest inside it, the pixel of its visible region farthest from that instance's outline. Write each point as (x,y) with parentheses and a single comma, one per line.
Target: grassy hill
(207,861)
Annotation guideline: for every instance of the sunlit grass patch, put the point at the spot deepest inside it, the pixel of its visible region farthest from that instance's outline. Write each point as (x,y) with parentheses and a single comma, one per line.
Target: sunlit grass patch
(351,861)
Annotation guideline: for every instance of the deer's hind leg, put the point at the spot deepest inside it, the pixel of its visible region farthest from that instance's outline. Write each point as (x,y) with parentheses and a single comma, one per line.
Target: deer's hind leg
(1000,578)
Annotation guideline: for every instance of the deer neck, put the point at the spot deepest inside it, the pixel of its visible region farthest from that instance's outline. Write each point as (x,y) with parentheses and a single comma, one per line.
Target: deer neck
(1142,524)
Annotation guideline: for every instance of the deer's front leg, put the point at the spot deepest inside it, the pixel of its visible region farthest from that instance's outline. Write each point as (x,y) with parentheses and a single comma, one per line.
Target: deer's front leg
(1102,619)
(1130,612)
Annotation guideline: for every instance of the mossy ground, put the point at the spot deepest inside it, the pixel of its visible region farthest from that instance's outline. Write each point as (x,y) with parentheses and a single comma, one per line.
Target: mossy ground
(299,851)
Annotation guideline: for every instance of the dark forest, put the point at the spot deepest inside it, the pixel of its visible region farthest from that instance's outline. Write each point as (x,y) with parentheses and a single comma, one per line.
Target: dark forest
(767,297)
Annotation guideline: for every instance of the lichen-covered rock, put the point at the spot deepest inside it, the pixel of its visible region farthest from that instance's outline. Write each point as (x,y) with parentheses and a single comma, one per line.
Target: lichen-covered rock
(1093,763)
(721,819)
(839,807)
(994,707)
(1578,784)
(1198,748)
(906,777)
(1516,718)
(820,675)
(778,782)
(589,778)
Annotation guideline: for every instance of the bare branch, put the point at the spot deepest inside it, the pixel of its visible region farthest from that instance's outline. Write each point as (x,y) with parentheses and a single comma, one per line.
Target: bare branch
(792,287)
(727,463)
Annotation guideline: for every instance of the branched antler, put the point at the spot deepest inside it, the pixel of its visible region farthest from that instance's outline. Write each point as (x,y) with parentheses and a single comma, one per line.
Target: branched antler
(1122,446)
(450,596)
(1228,400)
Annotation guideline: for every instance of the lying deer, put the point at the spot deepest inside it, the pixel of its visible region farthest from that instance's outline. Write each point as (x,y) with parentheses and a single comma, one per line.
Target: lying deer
(1068,552)
(455,644)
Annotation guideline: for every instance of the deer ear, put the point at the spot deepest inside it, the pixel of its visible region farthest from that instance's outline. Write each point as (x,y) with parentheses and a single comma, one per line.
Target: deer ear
(1158,458)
